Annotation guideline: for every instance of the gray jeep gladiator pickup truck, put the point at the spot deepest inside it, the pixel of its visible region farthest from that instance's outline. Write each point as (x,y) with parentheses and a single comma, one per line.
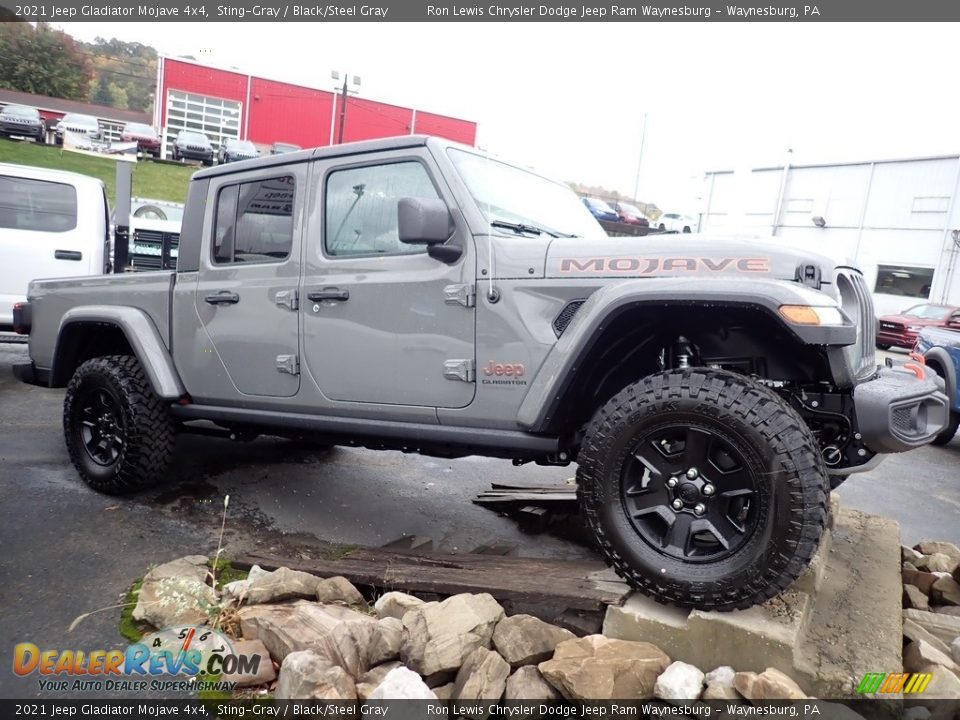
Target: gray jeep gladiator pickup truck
(411,294)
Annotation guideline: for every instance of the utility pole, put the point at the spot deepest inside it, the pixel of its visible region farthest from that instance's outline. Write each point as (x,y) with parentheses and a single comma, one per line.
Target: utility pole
(643,139)
(344,91)
(343,109)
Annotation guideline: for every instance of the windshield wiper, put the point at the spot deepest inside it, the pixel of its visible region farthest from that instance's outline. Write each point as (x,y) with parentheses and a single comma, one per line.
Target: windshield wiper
(521,228)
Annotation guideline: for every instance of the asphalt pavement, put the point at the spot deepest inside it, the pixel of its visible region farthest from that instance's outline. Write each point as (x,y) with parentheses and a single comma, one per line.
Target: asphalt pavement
(67,550)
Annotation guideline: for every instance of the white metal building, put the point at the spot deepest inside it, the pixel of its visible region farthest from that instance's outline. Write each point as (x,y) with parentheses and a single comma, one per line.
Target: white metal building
(897,220)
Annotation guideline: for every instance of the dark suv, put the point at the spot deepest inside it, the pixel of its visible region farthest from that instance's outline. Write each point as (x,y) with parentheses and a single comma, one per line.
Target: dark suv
(233,150)
(22,121)
(193,146)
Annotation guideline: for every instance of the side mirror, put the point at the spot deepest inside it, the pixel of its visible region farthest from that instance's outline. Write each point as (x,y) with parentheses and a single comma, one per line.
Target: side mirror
(423,221)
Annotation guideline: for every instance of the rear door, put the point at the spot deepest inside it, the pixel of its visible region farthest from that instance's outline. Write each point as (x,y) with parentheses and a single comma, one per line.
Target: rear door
(46,231)
(246,297)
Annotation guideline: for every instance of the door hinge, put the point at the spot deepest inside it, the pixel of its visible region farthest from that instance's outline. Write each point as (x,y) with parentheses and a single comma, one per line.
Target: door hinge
(289,364)
(289,299)
(462,370)
(460,294)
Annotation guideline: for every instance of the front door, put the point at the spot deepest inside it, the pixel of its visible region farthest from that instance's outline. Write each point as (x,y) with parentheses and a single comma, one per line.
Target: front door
(383,322)
(247,288)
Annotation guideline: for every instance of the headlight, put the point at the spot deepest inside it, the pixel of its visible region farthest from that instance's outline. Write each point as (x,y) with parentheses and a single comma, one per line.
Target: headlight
(812,315)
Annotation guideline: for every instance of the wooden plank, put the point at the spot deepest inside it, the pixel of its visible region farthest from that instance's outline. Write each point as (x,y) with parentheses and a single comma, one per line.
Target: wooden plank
(519,581)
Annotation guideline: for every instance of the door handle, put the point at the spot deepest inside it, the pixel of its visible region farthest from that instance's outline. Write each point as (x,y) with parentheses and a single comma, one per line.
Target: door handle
(330,293)
(224,297)
(68,255)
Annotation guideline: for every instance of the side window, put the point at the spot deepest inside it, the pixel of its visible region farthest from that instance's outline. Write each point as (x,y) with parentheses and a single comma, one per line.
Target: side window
(254,222)
(361,207)
(37,205)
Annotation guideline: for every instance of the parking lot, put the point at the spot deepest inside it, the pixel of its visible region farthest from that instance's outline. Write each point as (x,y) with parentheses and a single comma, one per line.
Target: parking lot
(68,550)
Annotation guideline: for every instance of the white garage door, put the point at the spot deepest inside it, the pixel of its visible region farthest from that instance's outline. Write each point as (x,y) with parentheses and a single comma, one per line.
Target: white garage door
(216,118)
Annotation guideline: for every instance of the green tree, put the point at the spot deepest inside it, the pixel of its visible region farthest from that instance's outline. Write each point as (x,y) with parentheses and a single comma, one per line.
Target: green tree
(125,74)
(43,61)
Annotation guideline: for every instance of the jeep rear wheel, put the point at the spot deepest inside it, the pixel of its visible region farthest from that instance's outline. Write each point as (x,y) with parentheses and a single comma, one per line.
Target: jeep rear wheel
(118,432)
(703,489)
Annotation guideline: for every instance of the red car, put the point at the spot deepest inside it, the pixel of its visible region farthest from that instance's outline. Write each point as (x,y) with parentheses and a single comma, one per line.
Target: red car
(630,214)
(902,330)
(145,136)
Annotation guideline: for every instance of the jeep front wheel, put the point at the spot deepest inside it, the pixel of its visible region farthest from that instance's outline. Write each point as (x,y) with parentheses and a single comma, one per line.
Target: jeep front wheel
(703,489)
(119,433)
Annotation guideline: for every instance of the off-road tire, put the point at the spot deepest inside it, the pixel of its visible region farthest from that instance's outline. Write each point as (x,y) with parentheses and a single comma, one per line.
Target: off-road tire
(143,424)
(780,457)
(947,434)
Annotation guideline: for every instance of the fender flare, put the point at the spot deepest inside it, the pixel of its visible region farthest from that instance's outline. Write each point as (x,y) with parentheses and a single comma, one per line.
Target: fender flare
(553,380)
(142,335)
(944,359)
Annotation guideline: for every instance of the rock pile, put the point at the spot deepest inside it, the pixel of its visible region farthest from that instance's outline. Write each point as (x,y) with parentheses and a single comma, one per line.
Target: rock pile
(318,639)
(931,615)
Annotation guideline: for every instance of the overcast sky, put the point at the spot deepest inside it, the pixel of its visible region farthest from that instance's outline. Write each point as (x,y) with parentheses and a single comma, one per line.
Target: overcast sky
(570,98)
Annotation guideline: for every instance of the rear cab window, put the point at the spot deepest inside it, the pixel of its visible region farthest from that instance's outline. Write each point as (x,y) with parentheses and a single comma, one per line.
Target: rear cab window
(254,221)
(37,205)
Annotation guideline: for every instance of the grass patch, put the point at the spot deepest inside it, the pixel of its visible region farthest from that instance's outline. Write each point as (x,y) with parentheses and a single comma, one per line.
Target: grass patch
(130,629)
(227,573)
(158,181)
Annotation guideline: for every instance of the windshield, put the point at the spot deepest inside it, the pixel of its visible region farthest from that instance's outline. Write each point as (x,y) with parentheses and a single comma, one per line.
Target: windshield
(140,129)
(242,146)
(928,312)
(599,205)
(72,119)
(193,138)
(508,194)
(21,111)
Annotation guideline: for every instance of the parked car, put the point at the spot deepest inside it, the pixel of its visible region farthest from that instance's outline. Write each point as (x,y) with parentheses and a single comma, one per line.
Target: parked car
(232,150)
(600,209)
(193,146)
(146,137)
(85,126)
(674,222)
(901,330)
(153,235)
(22,121)
(630,214)
(351,293)
(52,224)
(940,348)
(279,148)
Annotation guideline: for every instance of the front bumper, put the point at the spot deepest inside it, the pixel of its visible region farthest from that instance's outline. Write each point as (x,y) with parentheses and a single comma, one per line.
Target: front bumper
(21,129)
(898,411)
(192,154)
(896,339)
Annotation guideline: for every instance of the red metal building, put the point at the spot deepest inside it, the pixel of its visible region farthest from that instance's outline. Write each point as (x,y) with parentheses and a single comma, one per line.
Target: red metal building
(228,104)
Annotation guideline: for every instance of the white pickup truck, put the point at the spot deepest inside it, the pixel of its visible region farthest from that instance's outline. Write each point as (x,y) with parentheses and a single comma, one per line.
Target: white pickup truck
(52,224)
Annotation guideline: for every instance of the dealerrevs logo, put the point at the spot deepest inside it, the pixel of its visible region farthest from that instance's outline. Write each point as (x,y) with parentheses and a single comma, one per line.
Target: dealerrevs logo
(183,656)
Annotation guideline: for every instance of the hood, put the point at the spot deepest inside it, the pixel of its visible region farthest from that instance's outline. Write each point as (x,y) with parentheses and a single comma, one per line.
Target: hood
(680,256)
(912,320)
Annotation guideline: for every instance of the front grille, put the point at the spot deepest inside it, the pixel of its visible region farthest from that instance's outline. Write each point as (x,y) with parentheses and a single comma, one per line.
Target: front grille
(566,315)
(864,316)
(154,250)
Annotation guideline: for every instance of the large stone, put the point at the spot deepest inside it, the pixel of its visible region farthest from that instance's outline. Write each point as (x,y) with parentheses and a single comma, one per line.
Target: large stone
(371,679)
(919,654)
(177,593)
(946,591)
(919,579)
(955,650)
(483,676)
(931,547)
(947,610)
(396,604)
(945,627)
(339,590)
(438,637)
(720,692)
(526,640)
(771,684)
(600,668)
(913,631)
(264,672)
(680,681)
(944,685)
(236,591)
(282,584)
(385,643)
(913,597)
(908,554)
(402,684)
(528,684)
(723,675)
(938,562)
(304,675)
(339,635)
